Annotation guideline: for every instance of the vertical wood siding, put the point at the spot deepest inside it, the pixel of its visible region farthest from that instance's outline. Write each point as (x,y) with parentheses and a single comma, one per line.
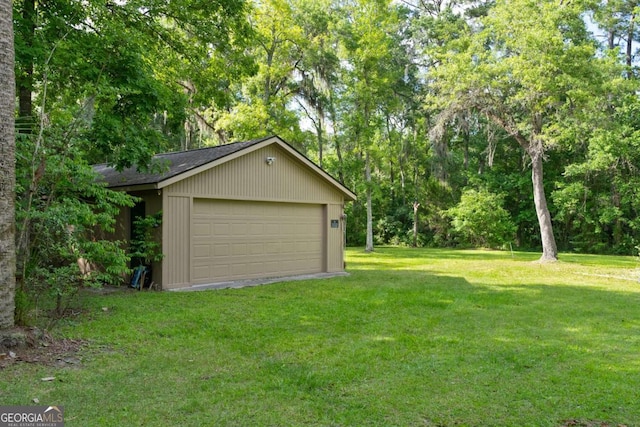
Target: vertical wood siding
(122,232)
(153,203)
(250,178)
(195,254)
(176,244)
(334,239)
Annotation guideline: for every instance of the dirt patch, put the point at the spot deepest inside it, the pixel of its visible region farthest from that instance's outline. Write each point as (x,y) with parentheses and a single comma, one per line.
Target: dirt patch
(32,345)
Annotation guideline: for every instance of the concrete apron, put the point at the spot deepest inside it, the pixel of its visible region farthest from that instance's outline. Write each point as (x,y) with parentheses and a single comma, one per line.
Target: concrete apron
(257,282)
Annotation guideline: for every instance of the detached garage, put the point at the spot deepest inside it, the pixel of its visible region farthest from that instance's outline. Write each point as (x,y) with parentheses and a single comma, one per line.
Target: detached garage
(248,210)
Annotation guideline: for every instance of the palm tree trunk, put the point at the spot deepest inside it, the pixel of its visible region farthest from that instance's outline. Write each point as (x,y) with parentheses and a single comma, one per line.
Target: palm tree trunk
(7,167)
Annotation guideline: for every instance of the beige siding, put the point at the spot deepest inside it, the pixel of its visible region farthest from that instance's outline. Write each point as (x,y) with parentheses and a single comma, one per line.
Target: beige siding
(246,219)
(176,248)
(154,205)
(250,178)
(334,238)
(122,232)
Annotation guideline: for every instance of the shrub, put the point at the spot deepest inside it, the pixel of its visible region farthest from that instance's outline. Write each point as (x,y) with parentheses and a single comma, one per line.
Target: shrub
(63,215)
(480,220)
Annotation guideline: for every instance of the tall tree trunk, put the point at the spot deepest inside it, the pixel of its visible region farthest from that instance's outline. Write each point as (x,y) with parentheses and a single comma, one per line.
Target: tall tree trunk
(611,40)
(320,135)
(416,205)
(629,54)
(340,160)
(535,149)
(618,231)
(7,167)
(549,248)
(402,166)
(465,139)
(336,139)
(367,171)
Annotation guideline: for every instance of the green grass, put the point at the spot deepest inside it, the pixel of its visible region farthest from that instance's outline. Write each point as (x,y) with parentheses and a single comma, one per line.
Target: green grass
(412,338)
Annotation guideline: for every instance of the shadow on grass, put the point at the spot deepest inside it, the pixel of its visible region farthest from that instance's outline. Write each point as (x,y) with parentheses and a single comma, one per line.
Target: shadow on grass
(503,354)
(394,344)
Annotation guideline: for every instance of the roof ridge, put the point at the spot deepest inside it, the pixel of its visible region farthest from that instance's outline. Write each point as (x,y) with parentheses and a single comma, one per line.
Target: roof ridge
(169,153)
(250,142)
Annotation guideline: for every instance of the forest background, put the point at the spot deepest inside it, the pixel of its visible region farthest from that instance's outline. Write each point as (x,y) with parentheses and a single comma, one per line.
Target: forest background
(458,123)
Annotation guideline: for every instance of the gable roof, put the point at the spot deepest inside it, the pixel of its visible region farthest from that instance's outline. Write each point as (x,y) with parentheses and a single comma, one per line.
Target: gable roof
(171,164)
(179,165)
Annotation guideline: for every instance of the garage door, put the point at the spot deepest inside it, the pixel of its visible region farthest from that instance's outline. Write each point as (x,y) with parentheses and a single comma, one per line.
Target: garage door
(242,240)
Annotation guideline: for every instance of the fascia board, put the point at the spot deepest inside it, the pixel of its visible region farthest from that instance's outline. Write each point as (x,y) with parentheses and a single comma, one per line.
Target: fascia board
(132,188)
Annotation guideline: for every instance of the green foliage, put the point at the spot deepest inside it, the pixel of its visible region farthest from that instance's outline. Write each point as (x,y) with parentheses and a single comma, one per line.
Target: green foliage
(112,82)
(346,83)
(597,196)
(413,337)
(134,75)
(145,247)
(64,216)
(481,220)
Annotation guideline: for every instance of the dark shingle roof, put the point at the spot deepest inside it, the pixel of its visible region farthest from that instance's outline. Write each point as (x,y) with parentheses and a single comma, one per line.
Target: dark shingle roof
(171,164)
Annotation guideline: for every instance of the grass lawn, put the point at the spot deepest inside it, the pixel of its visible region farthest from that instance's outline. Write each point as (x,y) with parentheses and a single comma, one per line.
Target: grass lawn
(414,337)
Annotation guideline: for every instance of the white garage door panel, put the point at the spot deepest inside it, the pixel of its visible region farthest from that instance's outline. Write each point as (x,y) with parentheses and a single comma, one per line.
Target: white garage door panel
(238,240)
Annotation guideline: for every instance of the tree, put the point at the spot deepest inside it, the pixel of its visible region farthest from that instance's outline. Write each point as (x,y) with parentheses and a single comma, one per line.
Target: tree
(597,199)
(370,71)
(7,167)
(133,76)
(64,222)
(317,70)
(262,104)
(618,19)
(112,82)
(532,72)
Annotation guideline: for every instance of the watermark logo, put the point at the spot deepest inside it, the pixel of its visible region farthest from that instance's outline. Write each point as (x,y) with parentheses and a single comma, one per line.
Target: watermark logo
(31,416)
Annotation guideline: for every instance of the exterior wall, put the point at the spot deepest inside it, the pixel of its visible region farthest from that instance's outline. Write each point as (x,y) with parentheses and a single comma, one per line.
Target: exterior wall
(237,239)
(249,177)
(153,204)
(335,239)
(176,234)
(122,229)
